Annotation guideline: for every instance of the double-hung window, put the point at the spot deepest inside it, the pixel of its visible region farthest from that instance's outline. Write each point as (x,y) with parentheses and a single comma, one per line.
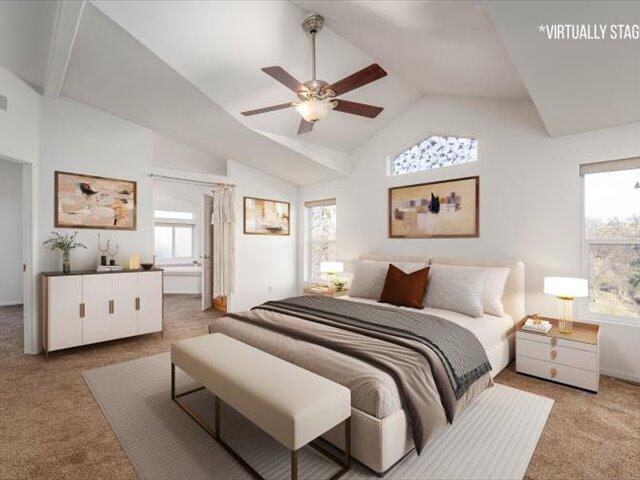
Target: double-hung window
(173,235)
(611,242)
(320,237)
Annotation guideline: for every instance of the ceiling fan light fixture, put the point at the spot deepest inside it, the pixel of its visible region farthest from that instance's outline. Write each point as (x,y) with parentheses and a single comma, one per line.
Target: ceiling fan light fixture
(314,109)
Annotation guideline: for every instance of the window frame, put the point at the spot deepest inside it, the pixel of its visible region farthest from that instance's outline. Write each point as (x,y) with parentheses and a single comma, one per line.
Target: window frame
(418,139)
(176,223)
(585,244)
(309,242)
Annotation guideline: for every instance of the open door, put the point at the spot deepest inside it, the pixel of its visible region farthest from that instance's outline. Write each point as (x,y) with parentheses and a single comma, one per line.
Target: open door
(207,253)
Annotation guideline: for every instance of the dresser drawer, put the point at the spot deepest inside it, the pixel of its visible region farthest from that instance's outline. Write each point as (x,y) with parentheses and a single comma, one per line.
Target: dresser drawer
(559,373)
(556,354)
(560,342)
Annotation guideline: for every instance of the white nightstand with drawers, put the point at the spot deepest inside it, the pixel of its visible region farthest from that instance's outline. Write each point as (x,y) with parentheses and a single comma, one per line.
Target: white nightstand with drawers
(569,358)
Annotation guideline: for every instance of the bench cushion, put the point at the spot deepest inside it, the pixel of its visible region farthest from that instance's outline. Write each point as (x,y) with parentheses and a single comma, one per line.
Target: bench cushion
(291,404)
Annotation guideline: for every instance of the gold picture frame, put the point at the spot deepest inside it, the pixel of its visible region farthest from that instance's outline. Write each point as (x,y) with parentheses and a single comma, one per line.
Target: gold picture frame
(443,209)
(93,202)
(266,217)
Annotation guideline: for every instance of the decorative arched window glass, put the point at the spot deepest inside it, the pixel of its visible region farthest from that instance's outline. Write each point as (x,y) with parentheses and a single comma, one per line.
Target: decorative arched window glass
(435,152)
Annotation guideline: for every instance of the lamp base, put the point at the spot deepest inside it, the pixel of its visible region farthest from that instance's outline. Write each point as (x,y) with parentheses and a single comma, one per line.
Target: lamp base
(565,325)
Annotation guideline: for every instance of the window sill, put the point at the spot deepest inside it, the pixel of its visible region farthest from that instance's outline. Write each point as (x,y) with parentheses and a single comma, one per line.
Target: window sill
(610,319)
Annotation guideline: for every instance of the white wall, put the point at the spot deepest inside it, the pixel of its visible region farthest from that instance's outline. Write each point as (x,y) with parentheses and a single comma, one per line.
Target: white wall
(265,265)
(80,139)
(19,136)
(170,154)
(530,196)
(11,254)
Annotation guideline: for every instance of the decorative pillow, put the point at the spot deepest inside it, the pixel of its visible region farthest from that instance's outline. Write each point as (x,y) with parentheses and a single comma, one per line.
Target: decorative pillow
(494,290)
(455,288)
(405,289)
(368,277)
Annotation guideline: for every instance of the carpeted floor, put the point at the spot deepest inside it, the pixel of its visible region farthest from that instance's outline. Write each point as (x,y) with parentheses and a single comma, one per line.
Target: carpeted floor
(51,427)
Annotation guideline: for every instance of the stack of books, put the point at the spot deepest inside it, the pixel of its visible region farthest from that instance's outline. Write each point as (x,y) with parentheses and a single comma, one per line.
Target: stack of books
(543,327)
(108,268)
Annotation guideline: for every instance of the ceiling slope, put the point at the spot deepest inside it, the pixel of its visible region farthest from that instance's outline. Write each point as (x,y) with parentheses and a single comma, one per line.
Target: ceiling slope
(443,47)
(577,85)
(221,46)
(112,71)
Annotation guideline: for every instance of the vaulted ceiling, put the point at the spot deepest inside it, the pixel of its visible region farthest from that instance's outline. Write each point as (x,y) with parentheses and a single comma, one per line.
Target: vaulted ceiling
(187,69)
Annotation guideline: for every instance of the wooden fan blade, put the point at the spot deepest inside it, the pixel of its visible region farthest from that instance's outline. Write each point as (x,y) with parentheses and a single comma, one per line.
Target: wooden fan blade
(267,109)
(356,80)
(305,127)
(280,74)
(356,108)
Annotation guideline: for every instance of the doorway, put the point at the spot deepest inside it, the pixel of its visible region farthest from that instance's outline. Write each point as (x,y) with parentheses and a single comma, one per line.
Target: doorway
(14,291)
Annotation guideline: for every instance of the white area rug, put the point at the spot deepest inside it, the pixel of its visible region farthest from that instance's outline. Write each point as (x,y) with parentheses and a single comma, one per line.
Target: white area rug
(493,439)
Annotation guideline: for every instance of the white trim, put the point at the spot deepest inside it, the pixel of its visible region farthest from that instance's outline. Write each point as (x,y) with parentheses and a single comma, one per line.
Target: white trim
(63,37)
(610,166)
(620,375)
(170,174)
(11,303)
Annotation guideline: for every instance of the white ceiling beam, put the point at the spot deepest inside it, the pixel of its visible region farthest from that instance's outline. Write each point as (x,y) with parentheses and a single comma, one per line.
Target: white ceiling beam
(65,28)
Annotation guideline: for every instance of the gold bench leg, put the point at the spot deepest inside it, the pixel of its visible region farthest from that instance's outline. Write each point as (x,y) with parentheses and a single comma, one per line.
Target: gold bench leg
(216,435)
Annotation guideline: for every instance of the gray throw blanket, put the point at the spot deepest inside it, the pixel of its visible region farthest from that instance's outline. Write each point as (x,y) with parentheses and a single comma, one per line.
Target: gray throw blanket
(426,355)
(459,350)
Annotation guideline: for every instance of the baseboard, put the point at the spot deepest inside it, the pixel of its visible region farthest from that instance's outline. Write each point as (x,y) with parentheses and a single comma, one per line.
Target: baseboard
(11,304)
(620,375)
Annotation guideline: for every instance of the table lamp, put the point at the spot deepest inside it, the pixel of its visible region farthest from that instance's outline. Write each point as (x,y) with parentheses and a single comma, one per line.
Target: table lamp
(331,268)
(566,289)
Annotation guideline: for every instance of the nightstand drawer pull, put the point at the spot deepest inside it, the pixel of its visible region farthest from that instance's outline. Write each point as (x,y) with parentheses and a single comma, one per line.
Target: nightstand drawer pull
(554,341)
(554,354)
(554,372)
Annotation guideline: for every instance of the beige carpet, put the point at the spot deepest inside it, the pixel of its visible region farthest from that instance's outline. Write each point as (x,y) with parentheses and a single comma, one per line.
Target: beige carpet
(494,438)
(51,426)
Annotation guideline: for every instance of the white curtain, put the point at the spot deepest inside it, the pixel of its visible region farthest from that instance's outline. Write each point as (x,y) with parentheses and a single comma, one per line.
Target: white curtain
(223,220)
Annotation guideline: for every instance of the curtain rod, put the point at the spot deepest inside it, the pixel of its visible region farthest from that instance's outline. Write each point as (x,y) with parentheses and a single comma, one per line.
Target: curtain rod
(186,180)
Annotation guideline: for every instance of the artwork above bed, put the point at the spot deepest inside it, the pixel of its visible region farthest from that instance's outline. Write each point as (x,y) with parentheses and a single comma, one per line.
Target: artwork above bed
(445,209)
(88,201)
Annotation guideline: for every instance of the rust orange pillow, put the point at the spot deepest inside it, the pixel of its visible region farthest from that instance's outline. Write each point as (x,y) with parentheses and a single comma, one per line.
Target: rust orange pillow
(405,289)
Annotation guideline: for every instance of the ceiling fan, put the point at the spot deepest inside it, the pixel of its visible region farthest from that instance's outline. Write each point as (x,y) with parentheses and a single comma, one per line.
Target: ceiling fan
(317,97)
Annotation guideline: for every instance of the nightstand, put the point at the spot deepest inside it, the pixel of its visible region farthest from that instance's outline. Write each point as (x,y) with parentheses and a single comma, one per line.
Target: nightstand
(323,291)
(569,358)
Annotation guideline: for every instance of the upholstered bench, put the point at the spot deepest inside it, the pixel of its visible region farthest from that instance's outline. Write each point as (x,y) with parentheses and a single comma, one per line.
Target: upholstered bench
(291,404)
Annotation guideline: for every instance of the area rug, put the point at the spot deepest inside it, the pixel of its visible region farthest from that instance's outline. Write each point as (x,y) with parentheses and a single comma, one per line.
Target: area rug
(493,439)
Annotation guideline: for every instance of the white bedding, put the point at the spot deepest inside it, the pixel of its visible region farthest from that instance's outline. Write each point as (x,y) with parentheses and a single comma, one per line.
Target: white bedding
(490,330)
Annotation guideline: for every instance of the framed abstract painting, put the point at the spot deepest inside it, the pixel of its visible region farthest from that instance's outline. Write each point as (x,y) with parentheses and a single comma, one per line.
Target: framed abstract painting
(266,217)
(446,209)
(87,201)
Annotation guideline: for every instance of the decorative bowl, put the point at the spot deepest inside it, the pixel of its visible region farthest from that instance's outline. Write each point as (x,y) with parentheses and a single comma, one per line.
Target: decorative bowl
(147,266)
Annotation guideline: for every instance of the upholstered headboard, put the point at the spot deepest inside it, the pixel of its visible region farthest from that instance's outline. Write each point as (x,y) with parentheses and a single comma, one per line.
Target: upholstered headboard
(513,299)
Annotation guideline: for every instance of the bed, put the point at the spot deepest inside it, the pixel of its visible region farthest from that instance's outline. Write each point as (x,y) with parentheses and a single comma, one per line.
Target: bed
(381,426)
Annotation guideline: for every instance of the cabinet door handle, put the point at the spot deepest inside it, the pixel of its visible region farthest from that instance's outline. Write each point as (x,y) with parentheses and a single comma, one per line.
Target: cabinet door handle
(137,303)
(82,310)
(111,306)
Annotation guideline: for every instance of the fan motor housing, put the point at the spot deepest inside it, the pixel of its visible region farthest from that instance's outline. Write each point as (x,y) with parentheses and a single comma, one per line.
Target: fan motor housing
(313,23)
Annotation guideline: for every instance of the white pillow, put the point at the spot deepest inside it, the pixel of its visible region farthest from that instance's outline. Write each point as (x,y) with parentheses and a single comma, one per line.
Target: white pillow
(369,276)
(494,290)
(455,288)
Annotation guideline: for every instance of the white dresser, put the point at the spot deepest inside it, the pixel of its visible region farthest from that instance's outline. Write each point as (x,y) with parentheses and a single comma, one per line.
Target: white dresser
(572,359)
(80,308)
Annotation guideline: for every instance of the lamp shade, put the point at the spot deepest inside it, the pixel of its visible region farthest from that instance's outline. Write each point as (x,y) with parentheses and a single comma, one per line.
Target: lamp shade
(567,287)
(331,267)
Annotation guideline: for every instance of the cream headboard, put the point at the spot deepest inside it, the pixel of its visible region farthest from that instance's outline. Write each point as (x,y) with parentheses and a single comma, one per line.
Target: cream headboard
(513,299)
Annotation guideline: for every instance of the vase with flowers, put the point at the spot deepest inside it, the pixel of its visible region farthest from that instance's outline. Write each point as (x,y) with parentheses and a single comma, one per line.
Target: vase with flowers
(65,243)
